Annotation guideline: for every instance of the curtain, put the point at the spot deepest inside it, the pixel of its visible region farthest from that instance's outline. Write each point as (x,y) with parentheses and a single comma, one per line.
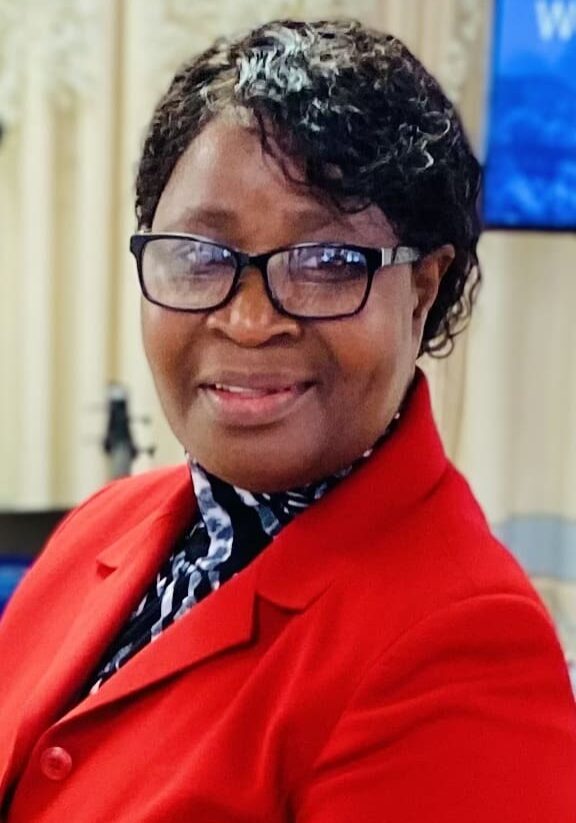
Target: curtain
(78,81)
(516,434)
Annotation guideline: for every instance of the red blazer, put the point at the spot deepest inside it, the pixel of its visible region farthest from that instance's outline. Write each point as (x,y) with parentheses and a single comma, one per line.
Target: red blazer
(384,660)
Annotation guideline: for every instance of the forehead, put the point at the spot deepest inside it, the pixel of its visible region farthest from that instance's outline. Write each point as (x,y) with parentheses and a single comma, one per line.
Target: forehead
(225,177)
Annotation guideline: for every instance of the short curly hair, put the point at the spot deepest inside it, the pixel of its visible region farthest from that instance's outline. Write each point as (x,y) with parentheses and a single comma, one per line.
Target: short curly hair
(367,123)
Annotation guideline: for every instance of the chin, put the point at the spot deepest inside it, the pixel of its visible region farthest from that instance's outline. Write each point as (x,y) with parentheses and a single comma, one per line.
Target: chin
(266,459)
(256,469)
(262,478)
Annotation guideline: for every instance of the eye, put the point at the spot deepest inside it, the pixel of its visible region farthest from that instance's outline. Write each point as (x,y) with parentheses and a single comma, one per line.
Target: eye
(199,258)
(328,263)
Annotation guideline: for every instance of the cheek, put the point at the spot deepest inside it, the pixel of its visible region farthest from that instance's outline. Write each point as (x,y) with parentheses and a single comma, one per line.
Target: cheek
(155,336)
(168,338)
(375,345)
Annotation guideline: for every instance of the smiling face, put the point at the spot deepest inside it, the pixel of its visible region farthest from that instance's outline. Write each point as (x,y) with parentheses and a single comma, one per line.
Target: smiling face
(262,400)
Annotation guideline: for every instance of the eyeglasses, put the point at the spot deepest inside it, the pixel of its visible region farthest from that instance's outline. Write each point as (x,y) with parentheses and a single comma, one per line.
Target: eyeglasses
(311,281)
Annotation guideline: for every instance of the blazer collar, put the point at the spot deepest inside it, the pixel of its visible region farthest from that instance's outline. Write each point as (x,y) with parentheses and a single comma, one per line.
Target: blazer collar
(329,536)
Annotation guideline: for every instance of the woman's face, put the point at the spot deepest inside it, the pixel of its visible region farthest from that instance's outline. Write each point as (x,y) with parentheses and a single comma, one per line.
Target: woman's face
(265,401)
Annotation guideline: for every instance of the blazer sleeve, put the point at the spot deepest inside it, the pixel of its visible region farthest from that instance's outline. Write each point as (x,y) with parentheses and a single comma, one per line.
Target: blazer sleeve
(468,717)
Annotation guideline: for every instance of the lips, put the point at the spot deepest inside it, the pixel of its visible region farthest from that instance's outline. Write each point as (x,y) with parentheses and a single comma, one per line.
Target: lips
(255,399)
(247,391)
(269,380)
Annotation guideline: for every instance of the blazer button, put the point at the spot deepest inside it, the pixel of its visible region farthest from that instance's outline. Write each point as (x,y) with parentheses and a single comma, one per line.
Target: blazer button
(55,763)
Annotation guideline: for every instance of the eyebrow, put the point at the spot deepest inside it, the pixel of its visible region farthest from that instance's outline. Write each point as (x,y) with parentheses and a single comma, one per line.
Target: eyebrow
(218,217)
(209,215)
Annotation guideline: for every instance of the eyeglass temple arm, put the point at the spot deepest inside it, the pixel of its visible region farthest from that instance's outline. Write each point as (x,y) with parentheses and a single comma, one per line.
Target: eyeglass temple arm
(400,255)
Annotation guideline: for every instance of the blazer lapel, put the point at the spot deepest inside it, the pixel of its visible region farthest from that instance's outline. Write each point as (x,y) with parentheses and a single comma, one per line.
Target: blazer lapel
(220,623)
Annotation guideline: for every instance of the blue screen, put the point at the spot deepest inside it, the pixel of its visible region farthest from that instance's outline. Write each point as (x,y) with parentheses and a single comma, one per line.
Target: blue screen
(530,179)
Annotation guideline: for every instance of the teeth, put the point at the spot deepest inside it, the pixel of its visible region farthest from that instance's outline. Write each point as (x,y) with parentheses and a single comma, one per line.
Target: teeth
(237,389)
(234,389)
(244,390)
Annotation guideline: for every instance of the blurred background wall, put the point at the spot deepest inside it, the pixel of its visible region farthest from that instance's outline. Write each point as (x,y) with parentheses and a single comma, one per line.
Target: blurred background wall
(78,81)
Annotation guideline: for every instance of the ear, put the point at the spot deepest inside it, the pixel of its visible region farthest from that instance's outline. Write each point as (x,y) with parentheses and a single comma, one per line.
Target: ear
(426,277)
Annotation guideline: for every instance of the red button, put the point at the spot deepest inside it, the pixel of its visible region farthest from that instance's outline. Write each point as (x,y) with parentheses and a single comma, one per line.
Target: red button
(55,763)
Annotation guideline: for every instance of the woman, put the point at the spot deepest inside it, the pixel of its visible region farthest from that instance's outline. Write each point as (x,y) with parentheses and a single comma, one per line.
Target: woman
(310,621)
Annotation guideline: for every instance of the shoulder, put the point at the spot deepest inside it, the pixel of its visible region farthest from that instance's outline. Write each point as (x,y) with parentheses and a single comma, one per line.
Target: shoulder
(131,497)
(440,554)
(115,509)
(447,540)
(134,486)
(134,495)
(121,517)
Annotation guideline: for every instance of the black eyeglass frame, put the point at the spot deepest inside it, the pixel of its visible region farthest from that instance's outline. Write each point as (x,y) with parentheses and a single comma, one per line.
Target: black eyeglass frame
(376,258)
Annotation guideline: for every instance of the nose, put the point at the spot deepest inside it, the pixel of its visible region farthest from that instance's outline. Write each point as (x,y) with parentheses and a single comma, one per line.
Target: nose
(250,319)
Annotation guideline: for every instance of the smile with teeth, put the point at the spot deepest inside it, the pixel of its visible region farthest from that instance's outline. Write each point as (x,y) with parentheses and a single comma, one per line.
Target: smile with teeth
(244,405)
(249,392)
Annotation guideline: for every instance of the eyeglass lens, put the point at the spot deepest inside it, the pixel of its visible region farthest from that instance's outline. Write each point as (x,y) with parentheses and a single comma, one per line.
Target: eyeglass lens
(315,281)
(187,274)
